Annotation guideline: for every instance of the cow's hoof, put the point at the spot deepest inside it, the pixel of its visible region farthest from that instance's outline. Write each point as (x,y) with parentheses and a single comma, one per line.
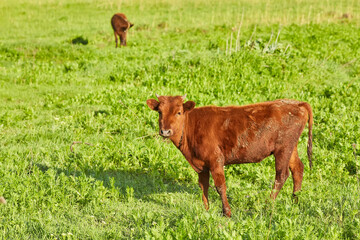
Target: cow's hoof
(227,213)
(295,198)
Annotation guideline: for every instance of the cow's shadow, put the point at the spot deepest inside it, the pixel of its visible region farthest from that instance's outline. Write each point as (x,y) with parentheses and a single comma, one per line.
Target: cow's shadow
(131,183)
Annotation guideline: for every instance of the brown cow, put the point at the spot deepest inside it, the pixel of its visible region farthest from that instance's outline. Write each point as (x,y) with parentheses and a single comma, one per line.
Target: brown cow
(211,137)
(121,25)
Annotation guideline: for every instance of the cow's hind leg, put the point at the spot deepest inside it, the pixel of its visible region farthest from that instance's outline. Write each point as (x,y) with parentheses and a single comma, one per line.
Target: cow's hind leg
(204,185)
(219,181)
(297,170)
(116,39)
(282,158)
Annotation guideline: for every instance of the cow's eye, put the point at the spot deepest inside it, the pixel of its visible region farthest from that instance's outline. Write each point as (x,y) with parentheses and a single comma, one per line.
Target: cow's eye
(179,113)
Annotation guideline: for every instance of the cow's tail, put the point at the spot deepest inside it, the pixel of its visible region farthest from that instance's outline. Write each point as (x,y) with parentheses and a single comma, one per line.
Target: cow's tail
(310,124)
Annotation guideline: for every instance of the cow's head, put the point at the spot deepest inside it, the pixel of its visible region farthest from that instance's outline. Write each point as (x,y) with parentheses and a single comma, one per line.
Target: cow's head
(123,33)
(172,111)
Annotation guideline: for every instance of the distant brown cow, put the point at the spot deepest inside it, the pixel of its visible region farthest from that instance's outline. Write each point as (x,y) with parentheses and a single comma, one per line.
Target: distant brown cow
(211,137)
(121,25)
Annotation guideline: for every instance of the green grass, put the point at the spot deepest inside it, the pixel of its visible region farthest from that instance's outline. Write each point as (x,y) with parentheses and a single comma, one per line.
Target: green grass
(130,183)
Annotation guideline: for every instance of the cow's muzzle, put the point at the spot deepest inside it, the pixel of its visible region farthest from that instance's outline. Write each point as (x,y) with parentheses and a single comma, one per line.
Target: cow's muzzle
(166,133)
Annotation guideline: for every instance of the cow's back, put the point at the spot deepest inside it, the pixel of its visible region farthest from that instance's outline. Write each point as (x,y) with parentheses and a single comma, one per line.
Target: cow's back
(242,134)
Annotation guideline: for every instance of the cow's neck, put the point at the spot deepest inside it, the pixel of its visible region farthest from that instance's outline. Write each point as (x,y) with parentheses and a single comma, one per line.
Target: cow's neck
(179,140)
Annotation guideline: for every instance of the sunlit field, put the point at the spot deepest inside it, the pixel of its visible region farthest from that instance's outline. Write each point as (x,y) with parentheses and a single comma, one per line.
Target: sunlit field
(80,155)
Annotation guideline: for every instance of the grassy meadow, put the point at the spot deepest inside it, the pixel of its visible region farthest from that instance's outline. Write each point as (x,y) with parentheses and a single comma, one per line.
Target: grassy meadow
(80,157)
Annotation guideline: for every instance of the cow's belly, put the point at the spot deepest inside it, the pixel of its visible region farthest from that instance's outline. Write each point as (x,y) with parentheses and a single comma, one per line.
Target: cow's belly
(250,153)
(232,148)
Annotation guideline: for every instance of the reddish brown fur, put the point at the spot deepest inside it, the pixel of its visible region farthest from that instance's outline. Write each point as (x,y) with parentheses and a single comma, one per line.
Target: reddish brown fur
(211,137)
(121,25)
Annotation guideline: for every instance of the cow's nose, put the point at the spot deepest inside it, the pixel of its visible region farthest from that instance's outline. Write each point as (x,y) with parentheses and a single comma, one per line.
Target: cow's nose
(166,133)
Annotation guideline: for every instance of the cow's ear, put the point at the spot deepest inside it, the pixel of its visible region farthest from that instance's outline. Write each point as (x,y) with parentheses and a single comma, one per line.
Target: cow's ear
(153,104)
(188,105)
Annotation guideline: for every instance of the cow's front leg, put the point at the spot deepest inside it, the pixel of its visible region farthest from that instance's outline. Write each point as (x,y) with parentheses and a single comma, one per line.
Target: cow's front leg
(282,158)
(219,180)
(204,185)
